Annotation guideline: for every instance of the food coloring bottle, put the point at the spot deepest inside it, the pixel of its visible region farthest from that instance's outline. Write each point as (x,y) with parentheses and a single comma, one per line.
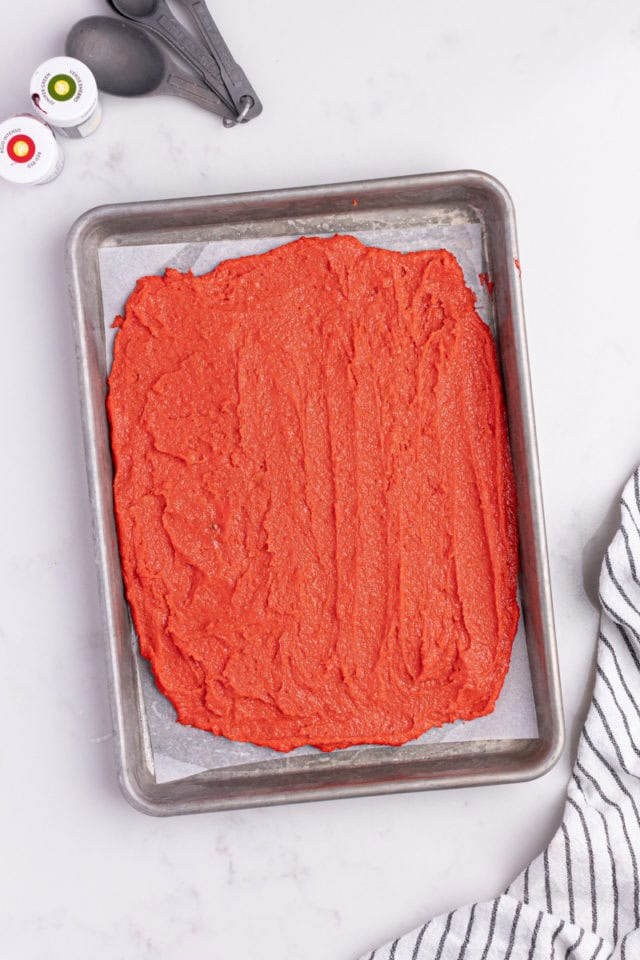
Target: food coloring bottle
(65,93)
(29,151)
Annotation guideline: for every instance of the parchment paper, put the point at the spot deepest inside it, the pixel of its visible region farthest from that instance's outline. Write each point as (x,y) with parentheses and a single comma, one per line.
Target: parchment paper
(180,751)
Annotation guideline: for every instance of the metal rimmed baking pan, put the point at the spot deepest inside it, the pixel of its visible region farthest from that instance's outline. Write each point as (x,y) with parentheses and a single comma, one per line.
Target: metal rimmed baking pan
(423,204)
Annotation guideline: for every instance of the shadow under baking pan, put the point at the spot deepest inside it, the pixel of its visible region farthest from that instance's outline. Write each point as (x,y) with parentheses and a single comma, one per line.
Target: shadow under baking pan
(166,768)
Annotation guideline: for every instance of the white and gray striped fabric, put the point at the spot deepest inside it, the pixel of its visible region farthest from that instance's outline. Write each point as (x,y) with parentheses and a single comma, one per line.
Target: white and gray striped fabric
(580,899)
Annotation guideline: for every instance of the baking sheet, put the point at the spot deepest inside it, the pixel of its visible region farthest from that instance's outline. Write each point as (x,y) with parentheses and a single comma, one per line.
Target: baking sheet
(180,751)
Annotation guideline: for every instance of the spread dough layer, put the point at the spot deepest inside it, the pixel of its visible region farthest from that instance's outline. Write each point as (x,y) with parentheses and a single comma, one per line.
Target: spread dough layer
(314,494)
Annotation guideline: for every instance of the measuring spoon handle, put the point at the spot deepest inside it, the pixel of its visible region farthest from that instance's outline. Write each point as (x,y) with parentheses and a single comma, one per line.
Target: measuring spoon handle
(196,92)
(166,26)
(233,76)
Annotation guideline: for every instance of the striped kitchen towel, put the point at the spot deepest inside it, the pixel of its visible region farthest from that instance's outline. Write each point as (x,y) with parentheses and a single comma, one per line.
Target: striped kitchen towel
(580,898)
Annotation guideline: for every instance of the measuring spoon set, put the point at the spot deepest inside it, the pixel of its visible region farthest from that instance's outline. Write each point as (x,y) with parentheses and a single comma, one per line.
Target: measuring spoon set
(126,60)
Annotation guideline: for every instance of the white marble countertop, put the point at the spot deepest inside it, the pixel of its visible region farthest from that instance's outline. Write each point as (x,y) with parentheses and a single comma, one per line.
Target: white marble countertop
(545,97)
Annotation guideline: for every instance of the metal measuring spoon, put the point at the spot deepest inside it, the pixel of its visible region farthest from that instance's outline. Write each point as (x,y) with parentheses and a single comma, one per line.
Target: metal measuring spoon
(155,15)
(234,78)
(127,62)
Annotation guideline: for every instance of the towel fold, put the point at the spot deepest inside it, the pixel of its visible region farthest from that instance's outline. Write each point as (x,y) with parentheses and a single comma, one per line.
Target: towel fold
(580,898)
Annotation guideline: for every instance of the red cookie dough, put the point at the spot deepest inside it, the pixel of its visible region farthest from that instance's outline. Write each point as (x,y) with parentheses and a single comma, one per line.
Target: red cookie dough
(314,494)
